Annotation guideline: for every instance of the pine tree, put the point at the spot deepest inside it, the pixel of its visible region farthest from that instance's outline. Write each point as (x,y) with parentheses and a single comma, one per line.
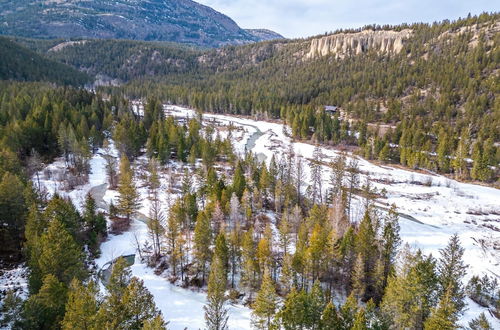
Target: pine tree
(156,323)
(222,251)
(316,305)
(111,312)
(12,306)
(264,307)
(60,255)
(293,314)
(138,304)
(360,322)
(353,182)
(316,176)
(95,224)
(239,182)
(45,309)
(444,316)
(317,251)
(411,294)
(82,306)
(216,315)
(336,179)
(390,243)
(12,213)
(330,319)
(156,218)
(129,199)
(202,240)
(367,254)
(480,323)
(348,312)
(451,269)
(119,278)
(249,262)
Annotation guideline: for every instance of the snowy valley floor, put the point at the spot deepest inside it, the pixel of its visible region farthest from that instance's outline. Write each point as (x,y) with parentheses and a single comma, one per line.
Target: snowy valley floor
(440,206)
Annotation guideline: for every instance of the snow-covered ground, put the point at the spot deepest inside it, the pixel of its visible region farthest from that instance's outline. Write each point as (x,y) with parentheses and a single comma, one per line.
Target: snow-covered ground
(441,207)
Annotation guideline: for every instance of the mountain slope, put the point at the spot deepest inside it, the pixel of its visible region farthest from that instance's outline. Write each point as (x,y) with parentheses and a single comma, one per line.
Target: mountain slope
(19,63)
(264,34)
(163,20)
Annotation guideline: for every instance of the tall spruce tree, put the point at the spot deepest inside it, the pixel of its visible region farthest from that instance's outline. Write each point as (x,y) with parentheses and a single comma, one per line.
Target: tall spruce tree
(216,315)
(128,199)
(451,269)
(264,307)
(82,306)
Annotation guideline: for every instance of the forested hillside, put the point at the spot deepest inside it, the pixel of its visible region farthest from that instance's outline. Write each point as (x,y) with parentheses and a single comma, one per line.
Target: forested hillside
(19,63)
(433,105)
(430,105)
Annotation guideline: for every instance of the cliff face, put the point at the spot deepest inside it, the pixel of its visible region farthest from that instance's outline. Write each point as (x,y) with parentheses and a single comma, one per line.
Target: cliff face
(346,44)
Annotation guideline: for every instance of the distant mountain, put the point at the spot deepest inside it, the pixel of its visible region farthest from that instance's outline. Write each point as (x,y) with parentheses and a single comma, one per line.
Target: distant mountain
(182,21)
(264,34)
(20,63)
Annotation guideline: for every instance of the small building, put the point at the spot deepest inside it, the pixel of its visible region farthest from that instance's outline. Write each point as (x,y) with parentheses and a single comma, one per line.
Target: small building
(331,109)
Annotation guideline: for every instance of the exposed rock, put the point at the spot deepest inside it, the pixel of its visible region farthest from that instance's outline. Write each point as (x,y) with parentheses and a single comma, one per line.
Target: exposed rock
(346,44)
(264,34)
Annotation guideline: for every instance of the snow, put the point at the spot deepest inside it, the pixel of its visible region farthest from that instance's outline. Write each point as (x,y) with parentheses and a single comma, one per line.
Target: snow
(440,207)
(14,280)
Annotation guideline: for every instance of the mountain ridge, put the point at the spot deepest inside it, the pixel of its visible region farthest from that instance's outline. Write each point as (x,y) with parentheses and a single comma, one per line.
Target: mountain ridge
(182,21)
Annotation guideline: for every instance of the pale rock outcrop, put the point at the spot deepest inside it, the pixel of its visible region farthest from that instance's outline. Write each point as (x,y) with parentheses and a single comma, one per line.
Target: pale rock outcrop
(345,44)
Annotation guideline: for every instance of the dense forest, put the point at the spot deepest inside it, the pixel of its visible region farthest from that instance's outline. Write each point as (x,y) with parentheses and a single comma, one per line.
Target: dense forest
(237,228)
(431,106)
(253,231)
(19,63)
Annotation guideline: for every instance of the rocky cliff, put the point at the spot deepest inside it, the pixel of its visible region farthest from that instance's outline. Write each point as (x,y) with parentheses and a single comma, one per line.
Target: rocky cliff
(346,44)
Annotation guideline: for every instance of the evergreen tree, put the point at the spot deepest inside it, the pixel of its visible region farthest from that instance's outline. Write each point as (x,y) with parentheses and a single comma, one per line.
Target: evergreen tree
(411,294)
(215,310)
(82,306)
(390,243)
(45,309)
(264,307)
(443,317)
(128,199)
(202,240)
(480,323)
(138,305)
(60,256)
(156,323)
(360,322)
(330,319)
(293,314)
(13,213)
(451,270)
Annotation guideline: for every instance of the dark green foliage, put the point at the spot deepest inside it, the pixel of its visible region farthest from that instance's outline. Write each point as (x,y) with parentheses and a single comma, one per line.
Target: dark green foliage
(20,63)
(13,211)
(45,309)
